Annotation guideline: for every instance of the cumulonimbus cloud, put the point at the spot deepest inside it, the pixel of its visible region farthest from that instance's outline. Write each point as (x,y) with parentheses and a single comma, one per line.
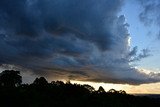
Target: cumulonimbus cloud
(76,39)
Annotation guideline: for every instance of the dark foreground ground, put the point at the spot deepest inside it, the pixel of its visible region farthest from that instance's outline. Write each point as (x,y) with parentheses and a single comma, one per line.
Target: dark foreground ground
(155,96)
(59,94)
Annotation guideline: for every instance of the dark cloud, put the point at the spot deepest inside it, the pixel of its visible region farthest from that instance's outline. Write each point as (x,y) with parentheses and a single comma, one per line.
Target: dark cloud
(69,39)
(133,52)
(133,56)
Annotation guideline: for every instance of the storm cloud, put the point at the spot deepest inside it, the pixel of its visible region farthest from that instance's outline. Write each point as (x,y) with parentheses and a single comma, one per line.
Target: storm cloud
(82,40)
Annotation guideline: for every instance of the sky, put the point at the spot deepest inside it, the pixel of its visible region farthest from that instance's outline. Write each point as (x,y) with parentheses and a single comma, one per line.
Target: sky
(113,43)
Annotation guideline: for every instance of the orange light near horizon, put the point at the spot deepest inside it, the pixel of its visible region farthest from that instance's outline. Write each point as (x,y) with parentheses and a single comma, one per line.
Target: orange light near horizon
(152,88)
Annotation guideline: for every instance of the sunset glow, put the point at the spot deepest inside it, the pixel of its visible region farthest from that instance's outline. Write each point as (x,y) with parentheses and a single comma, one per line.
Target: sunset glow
(152,88)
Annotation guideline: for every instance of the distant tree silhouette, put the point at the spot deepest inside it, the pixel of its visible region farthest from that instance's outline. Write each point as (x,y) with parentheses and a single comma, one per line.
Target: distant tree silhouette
(59,94)
(68,82)
(90,88)
(58,83)
(40,81)
(10,78)
(122,92)
(113,91)
(101,90)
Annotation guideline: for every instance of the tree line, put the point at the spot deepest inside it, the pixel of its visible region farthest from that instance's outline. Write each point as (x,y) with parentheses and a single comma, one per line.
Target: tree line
(41,93)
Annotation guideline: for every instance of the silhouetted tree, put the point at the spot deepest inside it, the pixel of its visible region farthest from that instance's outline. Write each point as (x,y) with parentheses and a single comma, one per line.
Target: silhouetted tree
(113,91)
(121,92)
(10,78)
(40,81)
(58,83)
(90,88)
(68,82)
(101,90)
